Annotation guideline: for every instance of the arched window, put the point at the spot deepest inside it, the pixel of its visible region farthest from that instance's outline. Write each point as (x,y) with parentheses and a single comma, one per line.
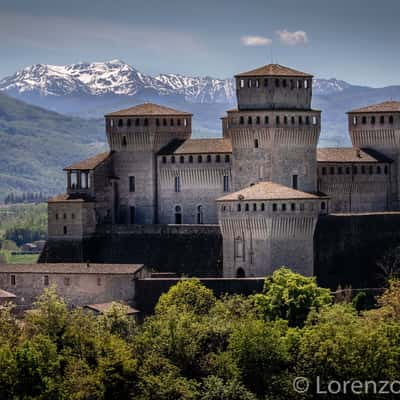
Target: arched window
(241,120)
(293,120)
(277,120)
(249,120)
(158,121)
(241,83)
(240,273)
(239,207)
(249,83)
(256,143)
(378,170)
(391,119)
(266,119)
(262,206)
(177,183)
(284,83)
(382,119)
(254,206)
(364,120)
(178,122)
(137,122)
(218,158)
(191,159)
(300,84)
(199,159)
(300,120)
(314,120)
(285,120)
(283,207)
(128,122)
(323,205)
(293,206)
(208,158)
(146,122)
(164,121)
(373,120)
(291,84)
(307,120)
(258,120)
(181,159)
(274,207)
(266,82)
(164,160)
(111,123)
(120,123)
(173,159)
(124,143)
(172,122)
(305,84)
(246,207)
(277,82)
(227,158)
(200,215)
(178,215)
(257,81)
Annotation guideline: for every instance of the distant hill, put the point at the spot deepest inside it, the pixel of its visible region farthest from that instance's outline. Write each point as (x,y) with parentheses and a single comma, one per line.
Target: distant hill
(36,143)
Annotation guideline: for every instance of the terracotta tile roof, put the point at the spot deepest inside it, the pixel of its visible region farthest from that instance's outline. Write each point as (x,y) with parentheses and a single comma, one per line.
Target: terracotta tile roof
(89,163)
(386,106)
(104,307)
(71,197)
(72,268)
(350,155)
(6,295)
(147,109)
(274,70)
(268,191)
(197,146)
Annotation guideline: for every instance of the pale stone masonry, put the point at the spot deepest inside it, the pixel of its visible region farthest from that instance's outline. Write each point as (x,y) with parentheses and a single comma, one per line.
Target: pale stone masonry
(264,182)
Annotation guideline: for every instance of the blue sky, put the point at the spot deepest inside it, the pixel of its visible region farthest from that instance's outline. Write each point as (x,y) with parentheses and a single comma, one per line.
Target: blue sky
(354,40)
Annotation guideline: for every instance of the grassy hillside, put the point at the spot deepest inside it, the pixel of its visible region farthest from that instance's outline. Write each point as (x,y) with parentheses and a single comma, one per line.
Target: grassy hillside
(36,143)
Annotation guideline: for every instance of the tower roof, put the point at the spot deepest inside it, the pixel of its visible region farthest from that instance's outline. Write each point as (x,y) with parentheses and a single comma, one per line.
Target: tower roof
(274,70)
(268,191)
(147,109)
(386,106)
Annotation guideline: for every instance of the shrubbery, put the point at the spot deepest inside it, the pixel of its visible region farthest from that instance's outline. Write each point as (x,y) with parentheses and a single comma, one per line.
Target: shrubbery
(199,347)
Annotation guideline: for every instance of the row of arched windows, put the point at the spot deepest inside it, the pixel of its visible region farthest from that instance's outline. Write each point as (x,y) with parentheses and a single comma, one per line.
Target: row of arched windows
(275,82)
(373,119)
(247,207)
(145,122)
(279,119)
(363,169)
(218,158)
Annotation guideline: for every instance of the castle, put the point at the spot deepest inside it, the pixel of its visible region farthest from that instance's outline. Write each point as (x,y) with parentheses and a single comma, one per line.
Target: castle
(265,182)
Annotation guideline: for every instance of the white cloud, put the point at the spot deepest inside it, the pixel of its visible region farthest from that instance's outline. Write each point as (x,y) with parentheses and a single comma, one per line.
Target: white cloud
(255,41)
(293,38)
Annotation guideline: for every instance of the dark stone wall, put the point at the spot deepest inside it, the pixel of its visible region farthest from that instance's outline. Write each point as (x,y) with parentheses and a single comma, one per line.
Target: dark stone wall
(347,248)
(148,291)
(192,250)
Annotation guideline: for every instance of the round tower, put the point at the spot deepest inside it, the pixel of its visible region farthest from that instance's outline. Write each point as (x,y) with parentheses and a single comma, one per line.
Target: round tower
(377,127)
(136,135)
(274,131)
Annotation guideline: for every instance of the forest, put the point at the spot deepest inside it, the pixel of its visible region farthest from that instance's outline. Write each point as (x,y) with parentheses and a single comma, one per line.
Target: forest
(197,346)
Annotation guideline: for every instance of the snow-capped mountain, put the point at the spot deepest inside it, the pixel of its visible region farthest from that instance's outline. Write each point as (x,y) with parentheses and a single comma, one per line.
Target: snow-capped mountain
(118,78)
(114,77)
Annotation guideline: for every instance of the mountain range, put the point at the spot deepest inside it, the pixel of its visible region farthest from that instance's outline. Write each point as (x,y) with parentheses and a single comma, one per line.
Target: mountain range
(38,142)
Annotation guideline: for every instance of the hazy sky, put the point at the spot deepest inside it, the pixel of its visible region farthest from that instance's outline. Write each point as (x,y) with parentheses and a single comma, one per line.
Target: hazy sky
(354,40)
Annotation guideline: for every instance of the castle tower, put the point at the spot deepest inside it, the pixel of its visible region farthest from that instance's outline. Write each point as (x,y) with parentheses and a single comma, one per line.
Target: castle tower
(266,226)
(377,127)
(274,131)
(135,135)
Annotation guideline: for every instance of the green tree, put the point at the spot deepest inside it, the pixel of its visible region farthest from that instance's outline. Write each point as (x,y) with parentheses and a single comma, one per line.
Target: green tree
(290,296)
(187,295)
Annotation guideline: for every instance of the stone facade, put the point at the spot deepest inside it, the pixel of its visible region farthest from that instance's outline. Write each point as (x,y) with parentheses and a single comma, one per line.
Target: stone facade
(155,173)
(77,284)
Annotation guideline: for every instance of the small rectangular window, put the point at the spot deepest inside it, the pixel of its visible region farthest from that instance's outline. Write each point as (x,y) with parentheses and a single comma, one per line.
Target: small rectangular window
(226,183)
(46,280)
(132,214)
(294,181)
(13,281)
(132,184)
(241,83)
(177,184)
